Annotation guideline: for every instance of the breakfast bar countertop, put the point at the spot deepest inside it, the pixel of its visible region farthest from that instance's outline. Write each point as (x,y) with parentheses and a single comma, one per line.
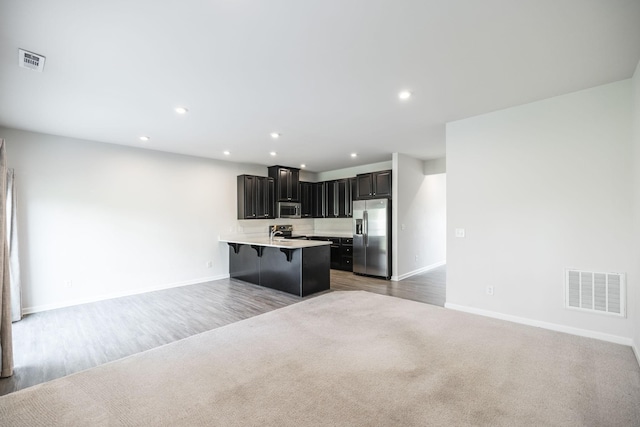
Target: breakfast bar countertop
(276,242)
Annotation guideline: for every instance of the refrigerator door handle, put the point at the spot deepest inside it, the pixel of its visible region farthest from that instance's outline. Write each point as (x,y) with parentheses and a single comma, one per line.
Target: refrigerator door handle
(365,216)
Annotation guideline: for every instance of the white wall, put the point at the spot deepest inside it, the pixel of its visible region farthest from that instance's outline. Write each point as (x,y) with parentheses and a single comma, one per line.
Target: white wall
(435,166)
(540,188)
(116,220)
(419,210)
(634,294)
(351,172)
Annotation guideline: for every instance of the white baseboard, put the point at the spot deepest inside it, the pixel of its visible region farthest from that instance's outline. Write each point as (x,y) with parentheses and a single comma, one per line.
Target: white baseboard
(636,351)
(418,271)
(545,325)
(46,307)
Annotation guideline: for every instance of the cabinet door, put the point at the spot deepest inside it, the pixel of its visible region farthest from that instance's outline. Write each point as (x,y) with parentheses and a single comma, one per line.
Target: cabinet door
(343,194)
(264,201)
(336,254)
(331,199)
(260,197)
(382,184)
(246,197)
(317,202)
(287,183)
(306,203)
(364,186)
(294,185)
(270,201)
(283,185)
(351,193)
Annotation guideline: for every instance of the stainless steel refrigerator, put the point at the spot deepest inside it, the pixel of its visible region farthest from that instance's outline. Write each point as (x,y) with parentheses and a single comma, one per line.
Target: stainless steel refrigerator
(372,237)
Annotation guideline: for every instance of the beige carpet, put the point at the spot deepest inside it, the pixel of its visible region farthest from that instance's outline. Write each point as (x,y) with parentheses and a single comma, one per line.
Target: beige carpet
(350,359)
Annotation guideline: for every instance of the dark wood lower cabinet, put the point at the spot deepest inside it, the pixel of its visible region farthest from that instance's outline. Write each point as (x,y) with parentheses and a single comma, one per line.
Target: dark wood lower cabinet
(336,255)
(346,254)
(341,252)
(300,271)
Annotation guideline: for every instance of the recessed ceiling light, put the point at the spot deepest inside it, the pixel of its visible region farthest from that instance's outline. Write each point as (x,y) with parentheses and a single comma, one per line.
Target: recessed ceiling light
(405,94)
(181,110)
(226,152)
(275,135)
(273,153)
(354,154)
(144,138)
(303,166)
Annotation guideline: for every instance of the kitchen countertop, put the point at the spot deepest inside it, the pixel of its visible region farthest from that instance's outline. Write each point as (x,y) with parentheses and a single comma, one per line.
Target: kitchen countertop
(277,242)
(329,234)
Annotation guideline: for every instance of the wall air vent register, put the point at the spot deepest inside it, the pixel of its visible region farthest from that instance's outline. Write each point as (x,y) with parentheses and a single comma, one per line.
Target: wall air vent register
(595,292)
(30,60)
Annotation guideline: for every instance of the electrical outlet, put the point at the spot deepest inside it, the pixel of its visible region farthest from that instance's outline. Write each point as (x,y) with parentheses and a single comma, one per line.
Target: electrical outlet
(209,264)
(460,232)
(416,257)
(68,284)
(489,290)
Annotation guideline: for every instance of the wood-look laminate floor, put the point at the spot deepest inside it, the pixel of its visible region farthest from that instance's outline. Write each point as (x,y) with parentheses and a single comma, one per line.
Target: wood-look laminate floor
(56,343)
(428,287)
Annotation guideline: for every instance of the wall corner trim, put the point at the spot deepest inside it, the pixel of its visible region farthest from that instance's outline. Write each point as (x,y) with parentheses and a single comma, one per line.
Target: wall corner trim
(418,271)
(636,351)
(545,325)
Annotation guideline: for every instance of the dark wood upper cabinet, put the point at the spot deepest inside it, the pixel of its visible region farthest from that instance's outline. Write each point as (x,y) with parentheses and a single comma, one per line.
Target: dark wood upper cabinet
(256,195)
(364,186)
(306,199)
(373,185)
(338,198)
(331,199)
(352,194)
(246,197)
(287,181)
(382,184)
(265,196)
(317,200)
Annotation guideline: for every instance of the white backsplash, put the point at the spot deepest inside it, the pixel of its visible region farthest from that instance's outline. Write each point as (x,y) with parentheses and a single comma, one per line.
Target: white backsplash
(261,226)
(300,226)
(341,225)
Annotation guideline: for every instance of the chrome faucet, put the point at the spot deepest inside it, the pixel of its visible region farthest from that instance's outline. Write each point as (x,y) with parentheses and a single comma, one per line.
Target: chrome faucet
(274,232)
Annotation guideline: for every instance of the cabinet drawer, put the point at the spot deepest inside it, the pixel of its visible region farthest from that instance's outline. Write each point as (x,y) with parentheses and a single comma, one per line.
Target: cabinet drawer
(347,251)
(347,241)
(347,263)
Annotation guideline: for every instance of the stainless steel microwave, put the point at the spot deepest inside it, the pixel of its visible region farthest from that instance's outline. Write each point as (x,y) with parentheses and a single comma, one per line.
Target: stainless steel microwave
(288,210)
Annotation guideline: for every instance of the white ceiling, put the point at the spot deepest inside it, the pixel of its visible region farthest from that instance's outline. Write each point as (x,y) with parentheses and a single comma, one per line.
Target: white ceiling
(324,73)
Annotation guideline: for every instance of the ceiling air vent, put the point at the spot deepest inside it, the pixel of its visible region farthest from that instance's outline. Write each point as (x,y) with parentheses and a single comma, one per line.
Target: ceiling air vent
(595,292)
(30,60)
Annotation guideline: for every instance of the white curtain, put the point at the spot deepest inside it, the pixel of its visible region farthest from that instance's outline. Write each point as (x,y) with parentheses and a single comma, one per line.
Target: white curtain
(6,342)
(12,242)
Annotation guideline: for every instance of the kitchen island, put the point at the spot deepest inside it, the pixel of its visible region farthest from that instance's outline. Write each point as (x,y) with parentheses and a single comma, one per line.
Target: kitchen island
(299,267)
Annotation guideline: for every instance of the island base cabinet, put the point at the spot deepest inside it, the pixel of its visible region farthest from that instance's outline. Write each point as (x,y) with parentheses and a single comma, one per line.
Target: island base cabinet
(315,270)
(278,273)
(300,271)
(244,265)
